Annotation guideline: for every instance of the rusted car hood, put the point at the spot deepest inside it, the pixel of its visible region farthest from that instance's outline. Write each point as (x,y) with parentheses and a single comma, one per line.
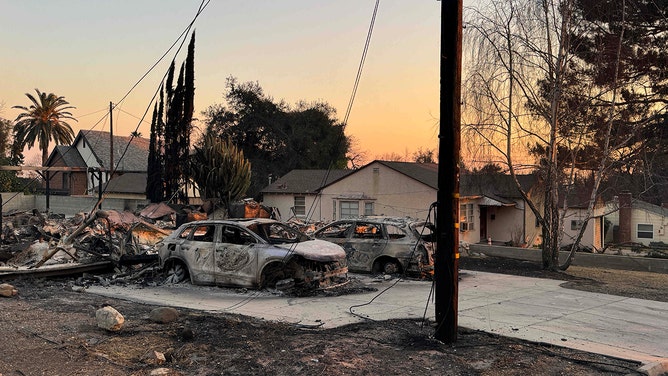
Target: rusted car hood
(316,250)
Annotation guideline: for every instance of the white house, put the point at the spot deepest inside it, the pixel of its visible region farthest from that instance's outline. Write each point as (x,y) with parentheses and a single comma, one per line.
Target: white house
(491,209)
(636,221)
(382,188)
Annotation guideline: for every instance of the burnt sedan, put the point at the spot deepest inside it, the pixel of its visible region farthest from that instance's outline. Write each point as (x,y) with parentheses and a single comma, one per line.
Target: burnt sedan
(252,253)
(384,244)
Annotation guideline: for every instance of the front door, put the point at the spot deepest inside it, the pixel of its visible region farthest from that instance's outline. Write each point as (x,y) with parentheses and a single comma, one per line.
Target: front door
(483,223)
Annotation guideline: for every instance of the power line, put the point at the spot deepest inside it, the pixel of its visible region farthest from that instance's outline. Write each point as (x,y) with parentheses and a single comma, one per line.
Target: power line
(181,37)
(325,177)
(361,65)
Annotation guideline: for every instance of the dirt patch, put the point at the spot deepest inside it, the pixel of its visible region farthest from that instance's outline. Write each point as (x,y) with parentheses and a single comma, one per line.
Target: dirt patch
(50,329)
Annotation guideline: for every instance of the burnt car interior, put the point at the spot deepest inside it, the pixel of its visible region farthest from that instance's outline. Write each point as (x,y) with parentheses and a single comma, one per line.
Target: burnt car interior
(368,231)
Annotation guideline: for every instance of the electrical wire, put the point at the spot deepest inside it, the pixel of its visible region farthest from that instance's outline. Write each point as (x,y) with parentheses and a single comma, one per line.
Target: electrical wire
(339,140)
(358,76)
(181,37)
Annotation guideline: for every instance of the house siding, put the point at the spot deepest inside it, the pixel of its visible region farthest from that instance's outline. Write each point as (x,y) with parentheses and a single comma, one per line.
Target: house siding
(285,201)
(638,216)
(507,225)
(592,234)
(392,193)
(56,177)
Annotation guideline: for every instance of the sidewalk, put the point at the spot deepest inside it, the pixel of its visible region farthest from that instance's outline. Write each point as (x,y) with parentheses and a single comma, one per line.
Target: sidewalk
(528,308)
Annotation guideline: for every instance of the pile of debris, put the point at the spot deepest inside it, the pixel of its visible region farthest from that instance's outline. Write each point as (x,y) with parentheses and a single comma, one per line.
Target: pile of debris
(33,243)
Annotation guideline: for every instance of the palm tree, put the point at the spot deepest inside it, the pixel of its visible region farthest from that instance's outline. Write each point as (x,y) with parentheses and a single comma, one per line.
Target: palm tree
(43,121)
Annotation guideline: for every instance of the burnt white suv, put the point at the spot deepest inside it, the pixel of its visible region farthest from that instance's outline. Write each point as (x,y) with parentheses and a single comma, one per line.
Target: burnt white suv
(255,252)
(384,244)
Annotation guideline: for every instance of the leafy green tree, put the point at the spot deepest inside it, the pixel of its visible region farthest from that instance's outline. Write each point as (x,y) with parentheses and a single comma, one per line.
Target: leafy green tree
(170,134)
(640,28)
(44,121)
(275,137)
(9,156)
(424,156)
(219,170)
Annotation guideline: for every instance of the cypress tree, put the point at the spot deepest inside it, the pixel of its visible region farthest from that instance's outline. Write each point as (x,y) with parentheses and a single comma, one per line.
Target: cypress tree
(170,138)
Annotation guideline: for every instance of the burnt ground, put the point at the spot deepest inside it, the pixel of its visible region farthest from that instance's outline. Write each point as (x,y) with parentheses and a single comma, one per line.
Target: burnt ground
(48,329)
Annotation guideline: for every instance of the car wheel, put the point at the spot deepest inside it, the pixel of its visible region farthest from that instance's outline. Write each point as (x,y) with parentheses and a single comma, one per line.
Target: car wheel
(390,267)
(176,273)
(271,274)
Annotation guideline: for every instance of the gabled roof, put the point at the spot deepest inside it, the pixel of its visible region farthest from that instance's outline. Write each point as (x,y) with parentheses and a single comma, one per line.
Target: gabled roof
(127,183)
(304,181)
(498,187)
(134,159)
(648,207)
(69,155)
(425,173)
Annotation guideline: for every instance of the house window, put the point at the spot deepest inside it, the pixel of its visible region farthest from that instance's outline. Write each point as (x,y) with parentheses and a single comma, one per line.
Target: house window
(333,209)
(350,209)
(300,205)
(645,231)
(576,224)
(368,208)
(466,217)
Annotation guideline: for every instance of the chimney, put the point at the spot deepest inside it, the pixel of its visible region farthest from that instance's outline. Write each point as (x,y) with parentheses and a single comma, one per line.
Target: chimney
(625,216)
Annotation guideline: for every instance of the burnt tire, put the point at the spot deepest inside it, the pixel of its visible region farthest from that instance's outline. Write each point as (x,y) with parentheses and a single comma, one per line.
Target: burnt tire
(390,267)
(176,273)
(272,274)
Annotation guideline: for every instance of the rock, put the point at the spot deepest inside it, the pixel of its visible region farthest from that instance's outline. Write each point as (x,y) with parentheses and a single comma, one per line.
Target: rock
(154,357)
(109,319)
(164,315)
(8,290)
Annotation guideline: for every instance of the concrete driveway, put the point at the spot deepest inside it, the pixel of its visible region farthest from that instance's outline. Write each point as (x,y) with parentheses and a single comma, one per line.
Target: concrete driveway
(528,308)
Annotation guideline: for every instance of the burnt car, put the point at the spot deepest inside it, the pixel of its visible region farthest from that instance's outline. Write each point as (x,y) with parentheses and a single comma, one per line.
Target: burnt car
(384,244)
(254,253)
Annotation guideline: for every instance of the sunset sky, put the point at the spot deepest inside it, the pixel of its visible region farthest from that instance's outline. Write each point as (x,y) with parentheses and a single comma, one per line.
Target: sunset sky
(93,51)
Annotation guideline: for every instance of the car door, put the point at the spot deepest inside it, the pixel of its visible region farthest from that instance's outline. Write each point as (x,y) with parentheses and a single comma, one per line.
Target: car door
(197,250)
(366,241)
(236,257)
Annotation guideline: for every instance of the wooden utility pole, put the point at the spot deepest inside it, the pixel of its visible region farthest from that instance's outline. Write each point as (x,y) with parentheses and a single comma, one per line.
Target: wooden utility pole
(111,140)
(446,259)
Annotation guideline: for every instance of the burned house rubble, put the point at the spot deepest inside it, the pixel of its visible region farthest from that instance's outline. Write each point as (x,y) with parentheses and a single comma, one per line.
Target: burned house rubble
(34,243)
(119,247)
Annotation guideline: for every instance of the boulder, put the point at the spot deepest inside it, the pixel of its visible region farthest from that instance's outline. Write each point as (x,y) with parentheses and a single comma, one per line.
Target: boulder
(8,290)
(164,315)
(109,319)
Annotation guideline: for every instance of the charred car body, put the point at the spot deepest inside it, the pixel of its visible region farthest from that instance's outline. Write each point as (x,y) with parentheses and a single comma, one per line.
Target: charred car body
(253,253)
(384,244)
